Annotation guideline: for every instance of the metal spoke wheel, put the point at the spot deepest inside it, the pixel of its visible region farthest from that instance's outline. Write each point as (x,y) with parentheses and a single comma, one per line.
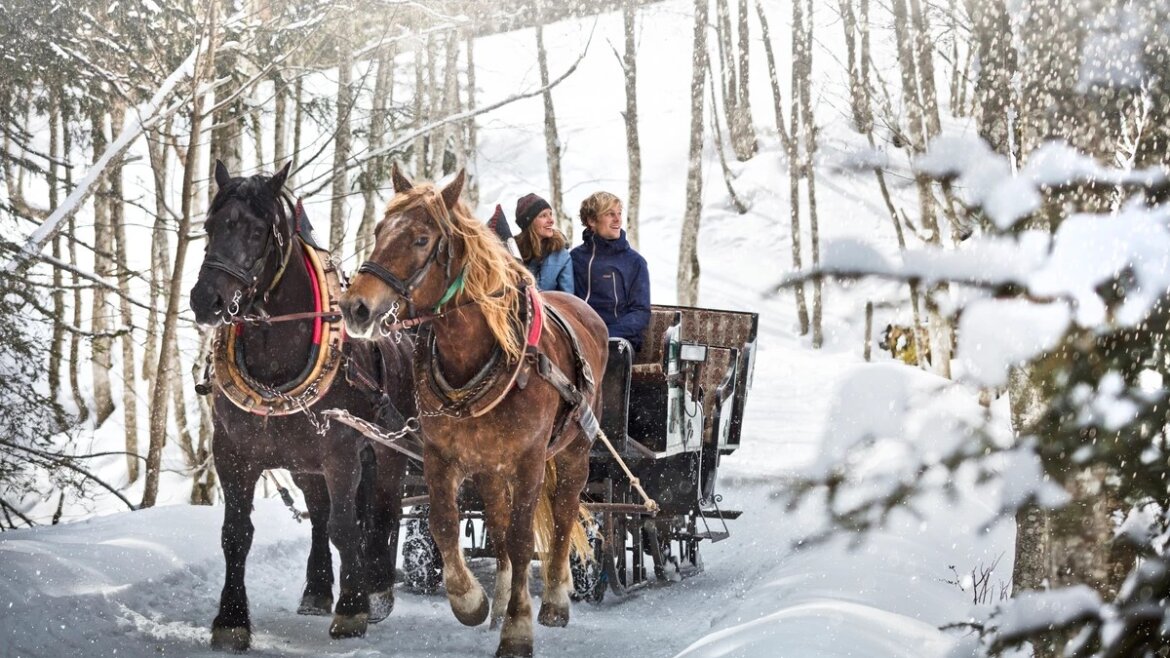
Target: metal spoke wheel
(422,564)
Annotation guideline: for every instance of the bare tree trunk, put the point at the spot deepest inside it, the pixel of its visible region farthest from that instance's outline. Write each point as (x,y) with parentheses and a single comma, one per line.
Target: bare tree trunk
(102,322)
(688,247)
(717,133)
(862,116)
(472,144)
(994,99)
(446,159)
(809,135)
(298,126)
(341,148)
(159,250)
(279,121)
(129,385)
(923,119)
(57,343)
(74,339)
(552,143)
(203,478)
(158,401)
(421,168)
(743,132)
(633,144)
(372,173)
(773,78)
(794,162)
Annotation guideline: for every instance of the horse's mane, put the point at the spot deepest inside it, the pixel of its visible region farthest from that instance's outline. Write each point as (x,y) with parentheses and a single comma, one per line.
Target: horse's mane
(491,277)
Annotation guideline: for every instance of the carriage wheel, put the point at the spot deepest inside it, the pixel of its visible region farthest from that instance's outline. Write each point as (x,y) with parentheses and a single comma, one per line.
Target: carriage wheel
(589,575)
(422,564)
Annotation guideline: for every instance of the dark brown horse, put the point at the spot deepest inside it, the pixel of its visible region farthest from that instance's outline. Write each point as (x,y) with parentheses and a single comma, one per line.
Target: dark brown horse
(272,378)
(486,413)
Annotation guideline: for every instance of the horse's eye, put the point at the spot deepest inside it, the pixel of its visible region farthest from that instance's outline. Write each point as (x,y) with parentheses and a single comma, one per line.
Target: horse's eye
(421,241)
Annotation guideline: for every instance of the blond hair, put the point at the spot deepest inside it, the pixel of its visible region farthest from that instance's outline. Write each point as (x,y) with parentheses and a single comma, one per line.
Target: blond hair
(595,205)
(491,277)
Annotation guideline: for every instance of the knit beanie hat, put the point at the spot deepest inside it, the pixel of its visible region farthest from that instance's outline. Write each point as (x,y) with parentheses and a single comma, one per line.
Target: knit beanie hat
(527,208)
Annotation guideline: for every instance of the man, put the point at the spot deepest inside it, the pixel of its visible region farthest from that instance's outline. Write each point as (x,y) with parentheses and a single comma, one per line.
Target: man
(608,274)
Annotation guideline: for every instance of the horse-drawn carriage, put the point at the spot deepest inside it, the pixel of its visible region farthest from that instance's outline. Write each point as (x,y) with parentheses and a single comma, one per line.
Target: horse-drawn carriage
(671,410)
(495,370)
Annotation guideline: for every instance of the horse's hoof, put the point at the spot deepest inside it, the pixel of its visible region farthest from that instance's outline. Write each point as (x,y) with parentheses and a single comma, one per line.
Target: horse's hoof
(474,613)
(317,605)
(236,639)
(348,626)
(553,615)
(381,605)
(514,649)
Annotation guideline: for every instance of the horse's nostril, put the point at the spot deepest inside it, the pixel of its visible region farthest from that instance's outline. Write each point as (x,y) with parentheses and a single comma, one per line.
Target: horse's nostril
(360,312)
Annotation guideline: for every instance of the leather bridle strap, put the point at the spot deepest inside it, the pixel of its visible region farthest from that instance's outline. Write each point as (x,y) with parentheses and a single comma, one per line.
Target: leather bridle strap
(404,288)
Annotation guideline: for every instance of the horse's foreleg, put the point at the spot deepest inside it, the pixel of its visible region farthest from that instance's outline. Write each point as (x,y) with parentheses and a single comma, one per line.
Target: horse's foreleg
(516,636)
(572,470)
(385,513)
(466,595)
(496,506)
(351,615)
(317,598)
(232,628)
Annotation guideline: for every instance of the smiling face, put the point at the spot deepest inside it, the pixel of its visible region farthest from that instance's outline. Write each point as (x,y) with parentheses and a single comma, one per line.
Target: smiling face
(542,226)
(608,224)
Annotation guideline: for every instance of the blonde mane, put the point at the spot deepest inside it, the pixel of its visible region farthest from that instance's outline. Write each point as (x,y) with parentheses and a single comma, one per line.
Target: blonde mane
(491,276)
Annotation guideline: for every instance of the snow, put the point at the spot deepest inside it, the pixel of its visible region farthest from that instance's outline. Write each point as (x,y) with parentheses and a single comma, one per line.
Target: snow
(146,583)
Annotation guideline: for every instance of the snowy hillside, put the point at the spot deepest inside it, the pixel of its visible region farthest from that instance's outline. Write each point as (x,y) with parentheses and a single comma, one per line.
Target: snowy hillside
(147,583)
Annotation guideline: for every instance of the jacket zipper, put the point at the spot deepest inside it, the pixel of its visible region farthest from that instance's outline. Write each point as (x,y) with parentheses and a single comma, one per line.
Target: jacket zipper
(615,297)
(589,273)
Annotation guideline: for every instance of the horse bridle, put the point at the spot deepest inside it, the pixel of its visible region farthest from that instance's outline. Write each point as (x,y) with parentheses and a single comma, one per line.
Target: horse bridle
(405,288)
(251,276)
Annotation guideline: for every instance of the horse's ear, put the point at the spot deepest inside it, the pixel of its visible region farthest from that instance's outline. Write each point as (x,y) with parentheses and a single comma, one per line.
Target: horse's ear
(401,183)
(222,177)
(277,181)
(454,189)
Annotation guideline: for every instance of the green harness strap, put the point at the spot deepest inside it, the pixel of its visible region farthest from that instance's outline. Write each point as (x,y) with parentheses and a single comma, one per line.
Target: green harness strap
(455,288)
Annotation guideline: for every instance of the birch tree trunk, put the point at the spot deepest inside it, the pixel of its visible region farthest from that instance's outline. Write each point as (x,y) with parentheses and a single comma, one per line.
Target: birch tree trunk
(809,136)
(279,121)
(421,53)
(298,127)
(629,64)
(57,342)
(129,385)
(158,399)
(688,247)
(552,143)
(103,267)
(74,280)
(372,173)
(743,132)
(341,148)
(774,80)
(159,250)
(472,143)
(794,162)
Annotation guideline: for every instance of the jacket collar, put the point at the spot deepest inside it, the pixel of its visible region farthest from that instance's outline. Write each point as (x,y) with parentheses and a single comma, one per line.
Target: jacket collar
(616,245)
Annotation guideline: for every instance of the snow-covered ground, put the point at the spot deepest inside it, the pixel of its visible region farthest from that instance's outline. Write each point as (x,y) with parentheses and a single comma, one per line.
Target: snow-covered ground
(147,583)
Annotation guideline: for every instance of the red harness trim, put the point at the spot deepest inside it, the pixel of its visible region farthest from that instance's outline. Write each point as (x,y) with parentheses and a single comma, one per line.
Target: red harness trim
(537,303)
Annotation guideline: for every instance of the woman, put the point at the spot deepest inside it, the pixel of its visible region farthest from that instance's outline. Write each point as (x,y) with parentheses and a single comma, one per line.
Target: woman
(542,246)
(611,276)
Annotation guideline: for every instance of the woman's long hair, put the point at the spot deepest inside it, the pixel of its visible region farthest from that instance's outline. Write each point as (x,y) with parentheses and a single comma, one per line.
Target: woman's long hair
(535,248)
(491,276)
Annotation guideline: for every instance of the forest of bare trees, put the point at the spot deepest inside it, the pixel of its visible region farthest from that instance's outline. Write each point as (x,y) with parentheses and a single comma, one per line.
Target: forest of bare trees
(90,338)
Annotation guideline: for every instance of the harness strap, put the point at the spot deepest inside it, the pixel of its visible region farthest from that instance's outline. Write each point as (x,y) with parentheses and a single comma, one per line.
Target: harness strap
(455,288)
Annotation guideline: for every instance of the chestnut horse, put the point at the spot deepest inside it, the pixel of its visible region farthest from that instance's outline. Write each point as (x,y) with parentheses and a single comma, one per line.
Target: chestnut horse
(483,417)
(260,264)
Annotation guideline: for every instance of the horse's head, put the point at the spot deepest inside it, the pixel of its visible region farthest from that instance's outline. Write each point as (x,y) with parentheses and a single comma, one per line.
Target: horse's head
(247,236)
(417,246)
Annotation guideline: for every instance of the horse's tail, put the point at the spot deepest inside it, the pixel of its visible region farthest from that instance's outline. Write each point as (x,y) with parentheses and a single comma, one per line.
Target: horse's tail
(542,523)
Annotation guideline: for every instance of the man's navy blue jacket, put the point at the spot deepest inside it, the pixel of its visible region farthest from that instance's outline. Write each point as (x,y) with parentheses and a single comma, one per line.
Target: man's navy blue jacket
(612,278)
